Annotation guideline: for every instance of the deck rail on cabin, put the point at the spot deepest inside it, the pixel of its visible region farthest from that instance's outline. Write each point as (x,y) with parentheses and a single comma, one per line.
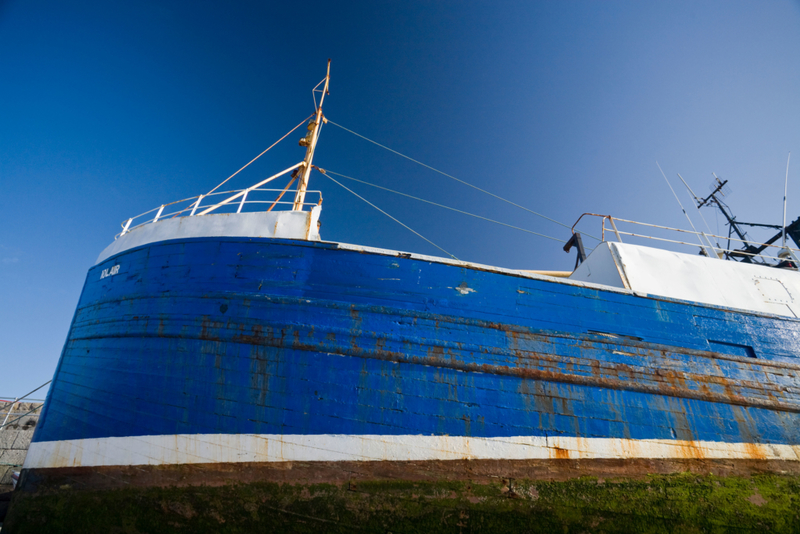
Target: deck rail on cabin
(709,243)
(236,201)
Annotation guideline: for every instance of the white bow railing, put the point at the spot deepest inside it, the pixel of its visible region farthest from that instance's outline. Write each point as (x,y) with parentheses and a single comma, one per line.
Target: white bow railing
(247,200)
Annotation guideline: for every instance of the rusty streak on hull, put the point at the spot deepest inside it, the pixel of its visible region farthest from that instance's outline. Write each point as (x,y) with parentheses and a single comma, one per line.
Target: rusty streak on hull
(619,376)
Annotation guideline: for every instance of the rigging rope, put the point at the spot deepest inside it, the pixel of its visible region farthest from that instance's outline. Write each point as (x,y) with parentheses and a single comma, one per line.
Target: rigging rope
(450,176)
(392,218)
(265,151)
(18,399)
(324,171)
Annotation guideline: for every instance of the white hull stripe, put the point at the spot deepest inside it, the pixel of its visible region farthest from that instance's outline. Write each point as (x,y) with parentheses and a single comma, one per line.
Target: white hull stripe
(236,448)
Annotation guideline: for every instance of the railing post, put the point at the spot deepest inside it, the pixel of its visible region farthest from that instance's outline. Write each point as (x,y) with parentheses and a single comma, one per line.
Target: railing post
(125,228)
(159,213)
(241,204)
(196,204)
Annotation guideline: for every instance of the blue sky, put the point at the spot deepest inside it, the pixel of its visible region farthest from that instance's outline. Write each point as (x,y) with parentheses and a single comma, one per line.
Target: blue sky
(109,109)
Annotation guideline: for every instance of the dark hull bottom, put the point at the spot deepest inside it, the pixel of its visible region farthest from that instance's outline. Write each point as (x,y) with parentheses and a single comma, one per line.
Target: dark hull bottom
(443,496)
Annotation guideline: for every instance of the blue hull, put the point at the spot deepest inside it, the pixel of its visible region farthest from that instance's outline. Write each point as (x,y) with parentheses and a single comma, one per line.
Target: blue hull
(234,337)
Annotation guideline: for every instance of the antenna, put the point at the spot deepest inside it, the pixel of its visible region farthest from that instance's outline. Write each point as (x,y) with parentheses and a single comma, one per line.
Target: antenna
(696,198)
(709,250)
(786,254)
(719,187)
(785,189)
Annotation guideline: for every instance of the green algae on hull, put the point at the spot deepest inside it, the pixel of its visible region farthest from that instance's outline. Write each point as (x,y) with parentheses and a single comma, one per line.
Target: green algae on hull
(658,503)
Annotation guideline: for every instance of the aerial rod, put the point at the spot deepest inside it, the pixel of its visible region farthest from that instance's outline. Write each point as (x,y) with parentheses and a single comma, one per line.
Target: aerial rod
(707,248)
(785,190)
(696,199)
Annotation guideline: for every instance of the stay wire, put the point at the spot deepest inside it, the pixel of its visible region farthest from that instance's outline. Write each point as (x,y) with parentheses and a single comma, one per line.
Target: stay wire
(265,151)
(324,171)
(392,218)
(32,392)
(451,176)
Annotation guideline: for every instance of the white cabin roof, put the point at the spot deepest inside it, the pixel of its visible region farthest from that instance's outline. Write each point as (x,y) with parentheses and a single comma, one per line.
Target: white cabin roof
(701,279)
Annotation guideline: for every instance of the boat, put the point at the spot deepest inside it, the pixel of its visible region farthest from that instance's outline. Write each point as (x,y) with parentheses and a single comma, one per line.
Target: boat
(227,369)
